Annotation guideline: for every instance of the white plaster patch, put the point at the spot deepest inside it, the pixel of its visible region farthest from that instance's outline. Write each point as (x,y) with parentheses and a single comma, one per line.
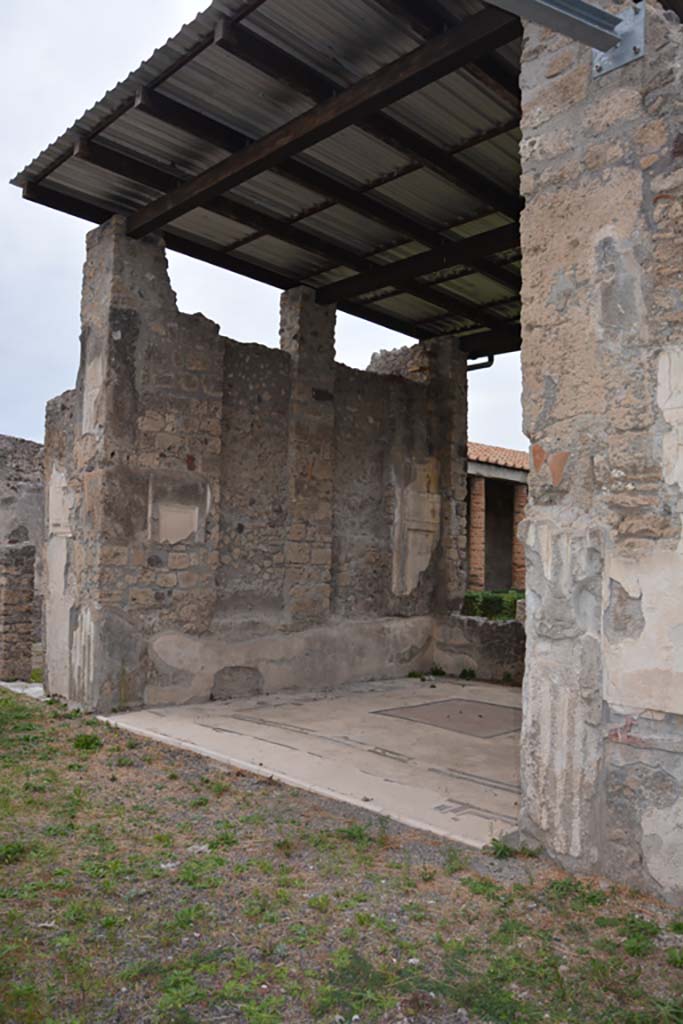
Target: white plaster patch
(83,653)
(58,504)
(92,387)
(57,601)
(663,844)
(646,672)
(415,533)
(177,522)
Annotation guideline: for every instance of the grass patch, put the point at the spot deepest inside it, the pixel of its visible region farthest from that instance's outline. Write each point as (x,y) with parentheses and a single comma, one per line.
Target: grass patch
(11,853)
(136,890)
(87,741)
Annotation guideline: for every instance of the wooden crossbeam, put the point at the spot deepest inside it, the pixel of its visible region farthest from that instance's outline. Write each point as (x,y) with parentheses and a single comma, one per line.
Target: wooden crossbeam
(492,343)
(146,174)
(98,214)
(481,33)
(448,254)
(429,17)
(275,62)
(406,226)
(499,339)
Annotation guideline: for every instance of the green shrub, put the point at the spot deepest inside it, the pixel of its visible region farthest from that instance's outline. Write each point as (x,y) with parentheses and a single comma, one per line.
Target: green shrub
(492,604)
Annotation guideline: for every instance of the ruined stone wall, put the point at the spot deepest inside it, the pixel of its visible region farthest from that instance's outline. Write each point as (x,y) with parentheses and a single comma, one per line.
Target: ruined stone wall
(21,523)
(17,567)
(133,464)
(227,518)
(494,651)
(603,405)
(21,491)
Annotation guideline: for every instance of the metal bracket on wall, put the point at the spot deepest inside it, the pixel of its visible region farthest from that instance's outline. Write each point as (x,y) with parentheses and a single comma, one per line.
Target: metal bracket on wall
(631,45)
(617,39)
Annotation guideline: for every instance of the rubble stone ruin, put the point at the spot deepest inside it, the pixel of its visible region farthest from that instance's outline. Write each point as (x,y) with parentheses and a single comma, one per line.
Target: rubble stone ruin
(21,539)
(225,518)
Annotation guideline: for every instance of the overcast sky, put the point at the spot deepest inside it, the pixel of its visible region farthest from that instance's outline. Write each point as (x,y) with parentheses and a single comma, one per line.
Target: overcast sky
(58,60)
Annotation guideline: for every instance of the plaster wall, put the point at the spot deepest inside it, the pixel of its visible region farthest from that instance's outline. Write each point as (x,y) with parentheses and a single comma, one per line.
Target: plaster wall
(603,384)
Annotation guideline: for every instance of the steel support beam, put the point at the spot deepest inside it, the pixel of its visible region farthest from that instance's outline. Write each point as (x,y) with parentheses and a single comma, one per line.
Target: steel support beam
(574,18)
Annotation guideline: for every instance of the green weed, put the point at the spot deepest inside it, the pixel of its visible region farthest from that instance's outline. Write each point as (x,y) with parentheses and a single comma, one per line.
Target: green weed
(87,741)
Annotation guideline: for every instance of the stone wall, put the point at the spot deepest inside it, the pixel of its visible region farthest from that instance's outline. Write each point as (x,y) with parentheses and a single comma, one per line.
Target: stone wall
(603,405)
(21,491)
(227,518)
(493,650)
(17,567)
(21,523)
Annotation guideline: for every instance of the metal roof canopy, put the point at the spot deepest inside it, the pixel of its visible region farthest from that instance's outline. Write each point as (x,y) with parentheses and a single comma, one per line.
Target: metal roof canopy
(405,216)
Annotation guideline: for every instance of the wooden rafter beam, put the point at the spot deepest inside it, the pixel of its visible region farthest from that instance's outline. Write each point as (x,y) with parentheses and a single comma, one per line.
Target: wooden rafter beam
(98,214)
(446,255)
(276,63)
(481,33)
(161,179)
(429,18)
(406,226)
(500,339)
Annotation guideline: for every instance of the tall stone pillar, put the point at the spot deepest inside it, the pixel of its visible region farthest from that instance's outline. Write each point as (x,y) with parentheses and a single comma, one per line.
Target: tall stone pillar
(602,232)
(447,382)
(133,464)
(519,500)
(307,334)
(476,544)
(17,563)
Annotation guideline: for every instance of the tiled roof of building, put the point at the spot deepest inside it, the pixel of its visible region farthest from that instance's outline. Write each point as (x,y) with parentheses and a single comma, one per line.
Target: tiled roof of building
(508,457)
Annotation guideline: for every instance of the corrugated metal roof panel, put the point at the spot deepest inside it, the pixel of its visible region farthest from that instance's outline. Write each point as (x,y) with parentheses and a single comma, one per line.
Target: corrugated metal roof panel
(345,40)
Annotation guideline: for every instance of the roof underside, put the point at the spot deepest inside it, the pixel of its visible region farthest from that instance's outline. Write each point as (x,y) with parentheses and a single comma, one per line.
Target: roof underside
(416,176)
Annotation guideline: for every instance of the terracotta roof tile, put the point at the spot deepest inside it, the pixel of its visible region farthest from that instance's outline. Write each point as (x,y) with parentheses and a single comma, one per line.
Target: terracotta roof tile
(511,458)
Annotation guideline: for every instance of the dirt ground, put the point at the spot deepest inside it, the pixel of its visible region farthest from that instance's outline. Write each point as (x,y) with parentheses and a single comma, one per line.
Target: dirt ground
(145,885)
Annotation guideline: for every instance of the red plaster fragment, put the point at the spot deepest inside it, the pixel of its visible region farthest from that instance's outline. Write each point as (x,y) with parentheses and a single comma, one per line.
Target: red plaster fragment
(191,462)
(623,733)
(539,455)
(557,461)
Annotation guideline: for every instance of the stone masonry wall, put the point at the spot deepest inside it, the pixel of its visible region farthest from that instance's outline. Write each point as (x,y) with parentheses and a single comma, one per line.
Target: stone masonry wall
(17,566)
(603,405)
(227,518)
(21,512)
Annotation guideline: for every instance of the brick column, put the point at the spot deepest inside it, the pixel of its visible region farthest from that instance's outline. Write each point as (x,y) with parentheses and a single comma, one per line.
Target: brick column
(307,333)
(476,534)
(602,172)
(17,563)
(519,501)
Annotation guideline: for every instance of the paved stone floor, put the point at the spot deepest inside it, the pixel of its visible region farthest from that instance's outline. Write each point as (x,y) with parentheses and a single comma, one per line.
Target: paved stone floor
(34,690)
(375,745)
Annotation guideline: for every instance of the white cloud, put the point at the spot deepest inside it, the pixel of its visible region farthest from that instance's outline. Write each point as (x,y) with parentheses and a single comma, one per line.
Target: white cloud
(48,78)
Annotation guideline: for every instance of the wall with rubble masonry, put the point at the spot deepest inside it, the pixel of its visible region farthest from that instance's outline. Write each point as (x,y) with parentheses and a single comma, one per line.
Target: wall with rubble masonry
(225,518)
(21,530)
